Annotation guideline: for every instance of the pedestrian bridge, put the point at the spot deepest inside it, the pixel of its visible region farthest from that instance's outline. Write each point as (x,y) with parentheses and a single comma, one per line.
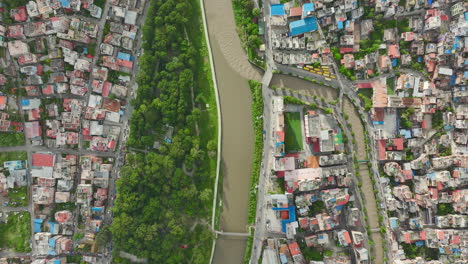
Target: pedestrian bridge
(232,234)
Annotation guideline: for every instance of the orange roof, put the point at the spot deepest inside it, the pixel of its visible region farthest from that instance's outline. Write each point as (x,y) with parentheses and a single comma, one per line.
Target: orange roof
(347,237)
(380,94)
(312,162)
(294,248)
(2,100)
(295,11)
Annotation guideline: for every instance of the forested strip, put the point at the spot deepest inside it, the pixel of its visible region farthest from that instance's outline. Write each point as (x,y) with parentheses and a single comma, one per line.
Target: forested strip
(164,195)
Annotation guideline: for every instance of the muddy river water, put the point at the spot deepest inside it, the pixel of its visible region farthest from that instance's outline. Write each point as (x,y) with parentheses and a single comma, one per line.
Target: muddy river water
(232,73)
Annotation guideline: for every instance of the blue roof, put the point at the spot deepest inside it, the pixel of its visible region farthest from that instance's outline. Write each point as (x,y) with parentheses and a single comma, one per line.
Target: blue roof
(466,16)
(394,62)
(96,209)
(52,227)
(37,225)
(378,122)
(24,102)
(394,222)
(429,2)
(340,25)
(124,56)
(302,26)
(406,133)
(277,10)
(65,3)
(283,258)
(52,252)
(52,242)
(306,8)
(419,243)
(57,261)
(465,74)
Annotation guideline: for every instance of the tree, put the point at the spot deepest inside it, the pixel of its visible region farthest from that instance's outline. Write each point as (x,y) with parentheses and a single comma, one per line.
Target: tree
(256,12)
(253,41)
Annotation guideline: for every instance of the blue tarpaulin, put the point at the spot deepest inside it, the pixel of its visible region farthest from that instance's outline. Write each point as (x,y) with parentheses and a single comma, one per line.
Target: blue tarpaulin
(277,10)
(96,209)
(394,62)
(302,26)
(378,122)
(419,243)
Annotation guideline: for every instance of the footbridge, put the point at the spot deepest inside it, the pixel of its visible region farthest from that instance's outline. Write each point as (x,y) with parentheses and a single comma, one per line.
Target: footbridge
(232,234)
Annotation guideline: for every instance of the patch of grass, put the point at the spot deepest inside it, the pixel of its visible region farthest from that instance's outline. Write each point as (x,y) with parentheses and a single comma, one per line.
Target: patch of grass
(391,86)
(293,137)
(366,97)
(14,155)
(18,196)
(445,209)
(12,139)
(15,234)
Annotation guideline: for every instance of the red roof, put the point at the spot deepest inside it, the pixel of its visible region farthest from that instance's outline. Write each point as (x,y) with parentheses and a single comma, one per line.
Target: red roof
(347,237)
(422,234)
(43,160)
(284,214)
(295,11)
(20,14)
(345,50)
(294,248)
(106,89)
(280,134)
(407,238)
(364,85)
(381,145)
(398,142)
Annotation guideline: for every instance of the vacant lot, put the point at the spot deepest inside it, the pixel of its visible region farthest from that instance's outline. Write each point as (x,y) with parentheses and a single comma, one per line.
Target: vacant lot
(11,139)
(14,155)
(15,234)
(293,137)
(18,196)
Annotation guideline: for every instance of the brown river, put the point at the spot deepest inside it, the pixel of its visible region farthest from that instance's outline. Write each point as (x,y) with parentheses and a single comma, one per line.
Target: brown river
(232,73)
